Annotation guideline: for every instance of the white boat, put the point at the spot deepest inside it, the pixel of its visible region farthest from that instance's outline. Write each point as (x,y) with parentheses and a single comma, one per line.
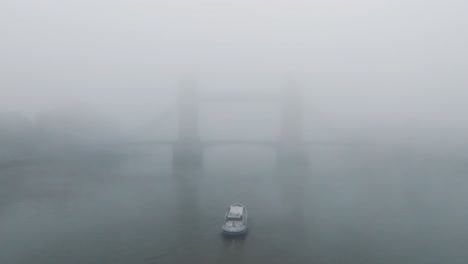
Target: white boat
(235,222)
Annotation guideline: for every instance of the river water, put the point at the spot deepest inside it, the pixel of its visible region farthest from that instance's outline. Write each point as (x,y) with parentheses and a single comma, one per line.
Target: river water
(351,205)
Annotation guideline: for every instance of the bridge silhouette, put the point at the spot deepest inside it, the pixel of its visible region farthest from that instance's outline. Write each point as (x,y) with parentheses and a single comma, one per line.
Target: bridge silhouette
(291,147)
(188,148)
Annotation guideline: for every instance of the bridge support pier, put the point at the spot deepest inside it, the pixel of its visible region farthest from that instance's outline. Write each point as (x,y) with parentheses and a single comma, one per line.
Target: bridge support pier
(188,154)
(287,156)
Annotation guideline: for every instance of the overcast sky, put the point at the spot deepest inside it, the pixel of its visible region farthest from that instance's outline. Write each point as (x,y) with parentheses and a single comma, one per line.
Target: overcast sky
(400,61)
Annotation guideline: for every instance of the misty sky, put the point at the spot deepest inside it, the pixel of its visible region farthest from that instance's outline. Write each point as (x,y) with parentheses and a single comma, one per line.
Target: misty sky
(388,62)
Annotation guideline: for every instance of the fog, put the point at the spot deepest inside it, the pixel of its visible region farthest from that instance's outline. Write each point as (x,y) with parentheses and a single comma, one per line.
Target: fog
(122,121)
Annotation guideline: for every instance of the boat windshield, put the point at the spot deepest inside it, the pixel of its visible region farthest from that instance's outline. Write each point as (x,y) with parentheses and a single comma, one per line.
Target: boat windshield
(234,219)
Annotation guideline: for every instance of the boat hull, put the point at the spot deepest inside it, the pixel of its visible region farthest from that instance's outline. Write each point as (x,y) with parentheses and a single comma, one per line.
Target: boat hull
(234,233)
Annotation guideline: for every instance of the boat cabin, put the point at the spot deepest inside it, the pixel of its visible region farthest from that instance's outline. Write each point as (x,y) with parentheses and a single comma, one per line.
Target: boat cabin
(235,213)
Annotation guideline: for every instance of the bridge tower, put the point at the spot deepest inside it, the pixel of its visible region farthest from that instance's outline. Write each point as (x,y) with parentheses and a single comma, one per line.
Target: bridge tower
(292,159)
(292,149)
(188,149)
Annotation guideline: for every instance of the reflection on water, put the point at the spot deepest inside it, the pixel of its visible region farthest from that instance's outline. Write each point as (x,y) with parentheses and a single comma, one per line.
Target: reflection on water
(233,249)
(348,206)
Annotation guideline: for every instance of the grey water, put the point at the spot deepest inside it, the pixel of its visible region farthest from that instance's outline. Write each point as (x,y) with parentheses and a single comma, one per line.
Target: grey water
(352,204)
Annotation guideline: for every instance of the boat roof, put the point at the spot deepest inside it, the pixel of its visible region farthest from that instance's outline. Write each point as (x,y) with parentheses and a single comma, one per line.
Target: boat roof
(235,211)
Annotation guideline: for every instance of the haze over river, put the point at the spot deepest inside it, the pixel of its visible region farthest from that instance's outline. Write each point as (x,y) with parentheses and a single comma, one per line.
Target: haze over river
(354,204)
